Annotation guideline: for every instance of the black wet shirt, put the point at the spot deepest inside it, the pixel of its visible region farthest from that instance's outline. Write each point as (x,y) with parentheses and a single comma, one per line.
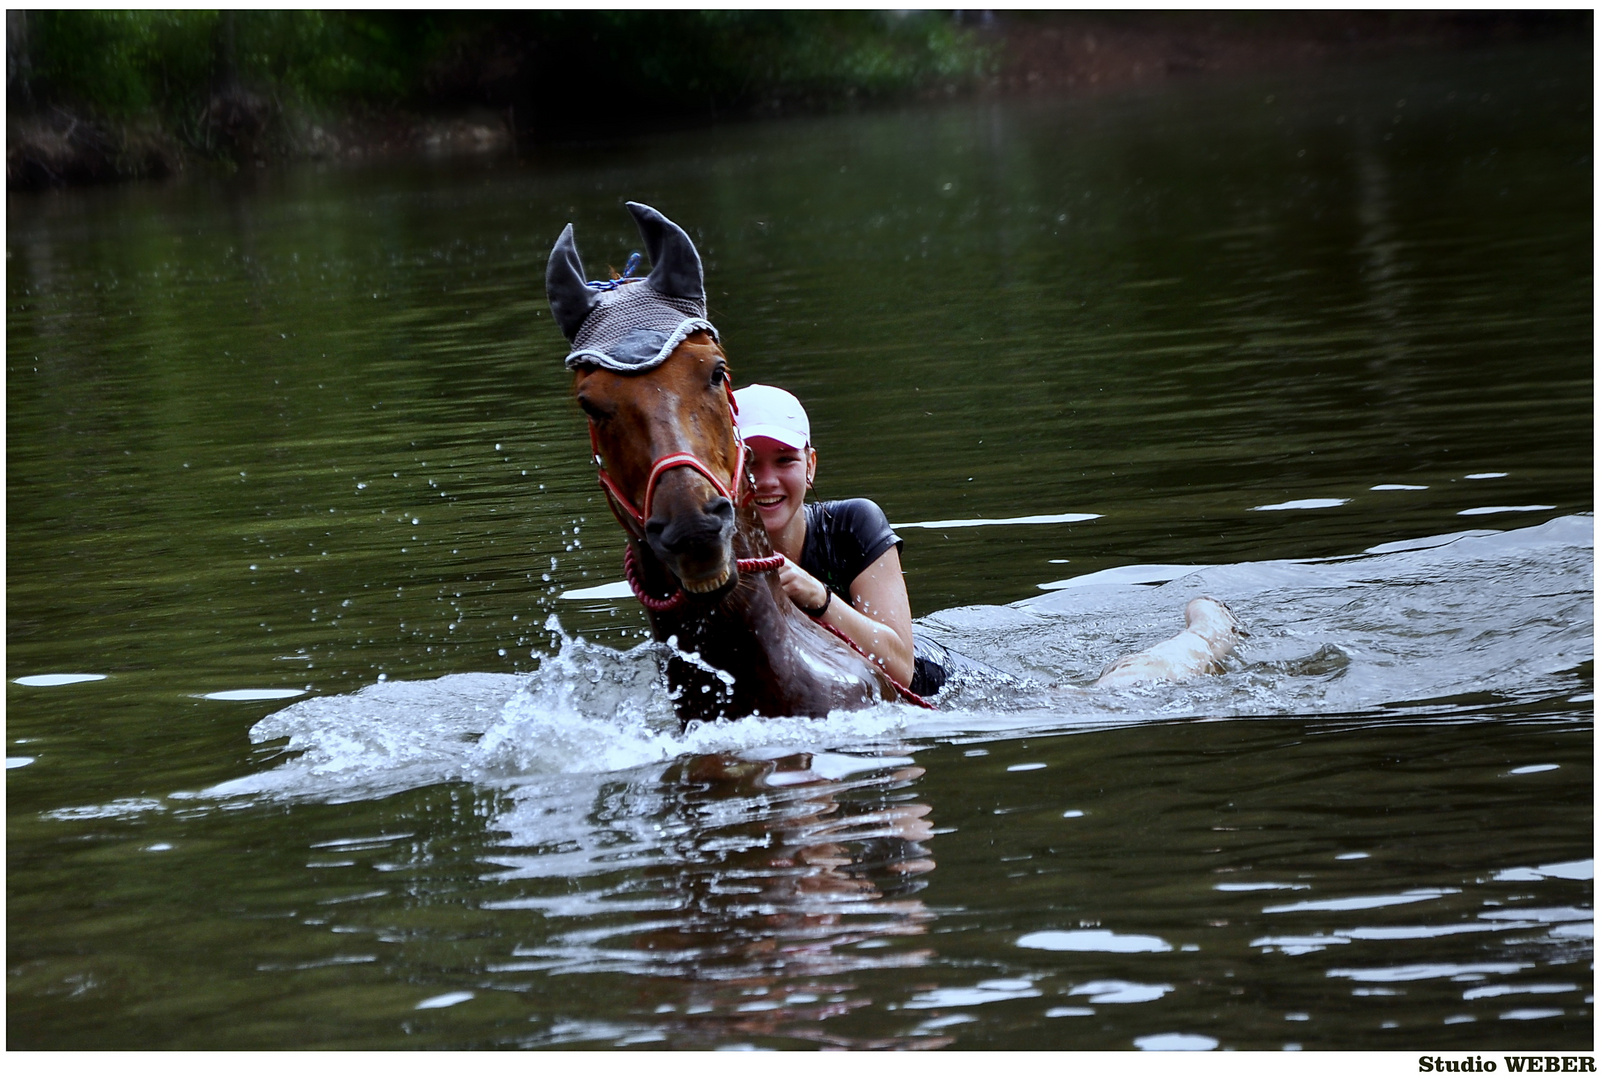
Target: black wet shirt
(844,537)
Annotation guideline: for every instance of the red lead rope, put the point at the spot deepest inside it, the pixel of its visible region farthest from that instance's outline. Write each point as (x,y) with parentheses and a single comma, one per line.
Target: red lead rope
(906,692)
(631,574)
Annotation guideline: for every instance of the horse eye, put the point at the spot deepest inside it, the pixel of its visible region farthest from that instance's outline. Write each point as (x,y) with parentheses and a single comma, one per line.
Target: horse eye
(591,409)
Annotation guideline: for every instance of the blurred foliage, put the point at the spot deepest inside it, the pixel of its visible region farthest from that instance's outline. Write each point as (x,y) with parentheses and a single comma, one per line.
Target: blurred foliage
(734,57)
(171,64)
(123,63)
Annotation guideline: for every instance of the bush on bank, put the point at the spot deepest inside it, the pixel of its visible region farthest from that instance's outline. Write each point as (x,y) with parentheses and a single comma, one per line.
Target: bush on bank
(145,89)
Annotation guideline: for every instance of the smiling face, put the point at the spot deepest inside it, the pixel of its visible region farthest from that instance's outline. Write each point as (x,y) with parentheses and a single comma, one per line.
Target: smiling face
(781,474)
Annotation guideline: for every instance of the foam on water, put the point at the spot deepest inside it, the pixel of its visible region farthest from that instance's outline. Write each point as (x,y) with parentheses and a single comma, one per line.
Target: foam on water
(1499,613)
(587,710)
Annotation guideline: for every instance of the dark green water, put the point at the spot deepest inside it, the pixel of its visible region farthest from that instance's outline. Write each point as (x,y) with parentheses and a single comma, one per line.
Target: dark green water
(308,431)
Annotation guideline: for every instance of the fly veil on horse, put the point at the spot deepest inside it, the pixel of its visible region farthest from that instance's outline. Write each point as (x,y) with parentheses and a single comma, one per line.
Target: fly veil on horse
(651,377)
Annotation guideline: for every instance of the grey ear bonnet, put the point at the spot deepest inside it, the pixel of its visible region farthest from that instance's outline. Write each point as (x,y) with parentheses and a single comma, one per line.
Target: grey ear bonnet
(633,324)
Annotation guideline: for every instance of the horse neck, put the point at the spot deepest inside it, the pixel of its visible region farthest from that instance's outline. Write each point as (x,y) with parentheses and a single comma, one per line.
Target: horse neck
(756,635)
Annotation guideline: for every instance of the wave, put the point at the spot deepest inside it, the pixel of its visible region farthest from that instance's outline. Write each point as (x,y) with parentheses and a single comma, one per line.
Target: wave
(1472,618)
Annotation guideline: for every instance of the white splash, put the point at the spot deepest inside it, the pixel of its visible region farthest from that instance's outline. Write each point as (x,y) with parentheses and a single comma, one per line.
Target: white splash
(590,711)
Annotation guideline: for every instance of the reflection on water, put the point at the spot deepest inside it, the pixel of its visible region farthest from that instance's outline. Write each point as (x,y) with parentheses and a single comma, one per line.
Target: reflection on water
(771,880)
(328,727)
(761,883)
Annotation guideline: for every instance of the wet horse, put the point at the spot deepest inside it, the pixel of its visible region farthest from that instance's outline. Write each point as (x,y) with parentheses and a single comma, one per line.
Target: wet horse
(655,386)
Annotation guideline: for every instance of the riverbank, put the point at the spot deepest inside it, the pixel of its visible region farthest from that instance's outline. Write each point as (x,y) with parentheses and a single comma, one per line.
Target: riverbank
(485,96)
(1087,52)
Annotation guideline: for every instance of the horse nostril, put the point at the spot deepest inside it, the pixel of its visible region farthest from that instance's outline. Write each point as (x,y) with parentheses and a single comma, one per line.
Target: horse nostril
(693,531)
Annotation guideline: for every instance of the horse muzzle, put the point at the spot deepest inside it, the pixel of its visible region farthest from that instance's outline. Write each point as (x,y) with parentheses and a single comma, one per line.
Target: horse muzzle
(693,537)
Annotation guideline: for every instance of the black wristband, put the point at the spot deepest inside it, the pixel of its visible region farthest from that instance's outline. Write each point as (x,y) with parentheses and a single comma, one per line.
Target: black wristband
(818,612)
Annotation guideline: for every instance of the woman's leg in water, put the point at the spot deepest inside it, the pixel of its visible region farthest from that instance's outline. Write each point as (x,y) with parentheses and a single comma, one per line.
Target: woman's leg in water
(1211,634)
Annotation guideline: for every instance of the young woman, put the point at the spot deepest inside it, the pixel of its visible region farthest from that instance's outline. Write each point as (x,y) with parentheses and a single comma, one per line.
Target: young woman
(843,563)
(843,566)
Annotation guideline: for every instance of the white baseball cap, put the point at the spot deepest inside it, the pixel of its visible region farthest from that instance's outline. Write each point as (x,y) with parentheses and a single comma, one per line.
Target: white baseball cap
(768,411)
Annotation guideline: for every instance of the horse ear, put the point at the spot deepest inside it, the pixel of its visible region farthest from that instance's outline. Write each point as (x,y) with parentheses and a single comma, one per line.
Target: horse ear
(571,299)
(675,266)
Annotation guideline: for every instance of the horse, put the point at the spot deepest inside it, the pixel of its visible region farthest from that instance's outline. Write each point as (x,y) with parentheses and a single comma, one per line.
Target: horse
(652,380)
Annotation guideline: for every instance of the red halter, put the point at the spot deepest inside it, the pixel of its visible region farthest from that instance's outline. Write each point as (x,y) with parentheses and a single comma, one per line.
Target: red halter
(636,517)
(633,518)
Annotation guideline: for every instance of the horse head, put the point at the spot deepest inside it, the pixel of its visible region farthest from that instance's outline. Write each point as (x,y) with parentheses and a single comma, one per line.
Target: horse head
(653,381)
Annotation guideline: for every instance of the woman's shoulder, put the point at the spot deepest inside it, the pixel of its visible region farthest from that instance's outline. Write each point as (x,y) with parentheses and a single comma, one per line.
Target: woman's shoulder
(844,536)
(853,524)
(849,511)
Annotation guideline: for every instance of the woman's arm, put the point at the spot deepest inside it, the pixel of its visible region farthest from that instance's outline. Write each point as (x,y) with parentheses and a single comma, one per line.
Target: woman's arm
(879,619)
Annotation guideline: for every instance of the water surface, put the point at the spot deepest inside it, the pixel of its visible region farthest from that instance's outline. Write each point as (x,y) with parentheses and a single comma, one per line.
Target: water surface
(307,749)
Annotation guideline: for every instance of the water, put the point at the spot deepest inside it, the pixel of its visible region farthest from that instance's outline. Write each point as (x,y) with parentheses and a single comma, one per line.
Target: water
(306,748)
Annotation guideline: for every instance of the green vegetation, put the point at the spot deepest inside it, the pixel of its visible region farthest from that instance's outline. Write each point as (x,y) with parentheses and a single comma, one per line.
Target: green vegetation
(244,84)
(111,94)
(125,64)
